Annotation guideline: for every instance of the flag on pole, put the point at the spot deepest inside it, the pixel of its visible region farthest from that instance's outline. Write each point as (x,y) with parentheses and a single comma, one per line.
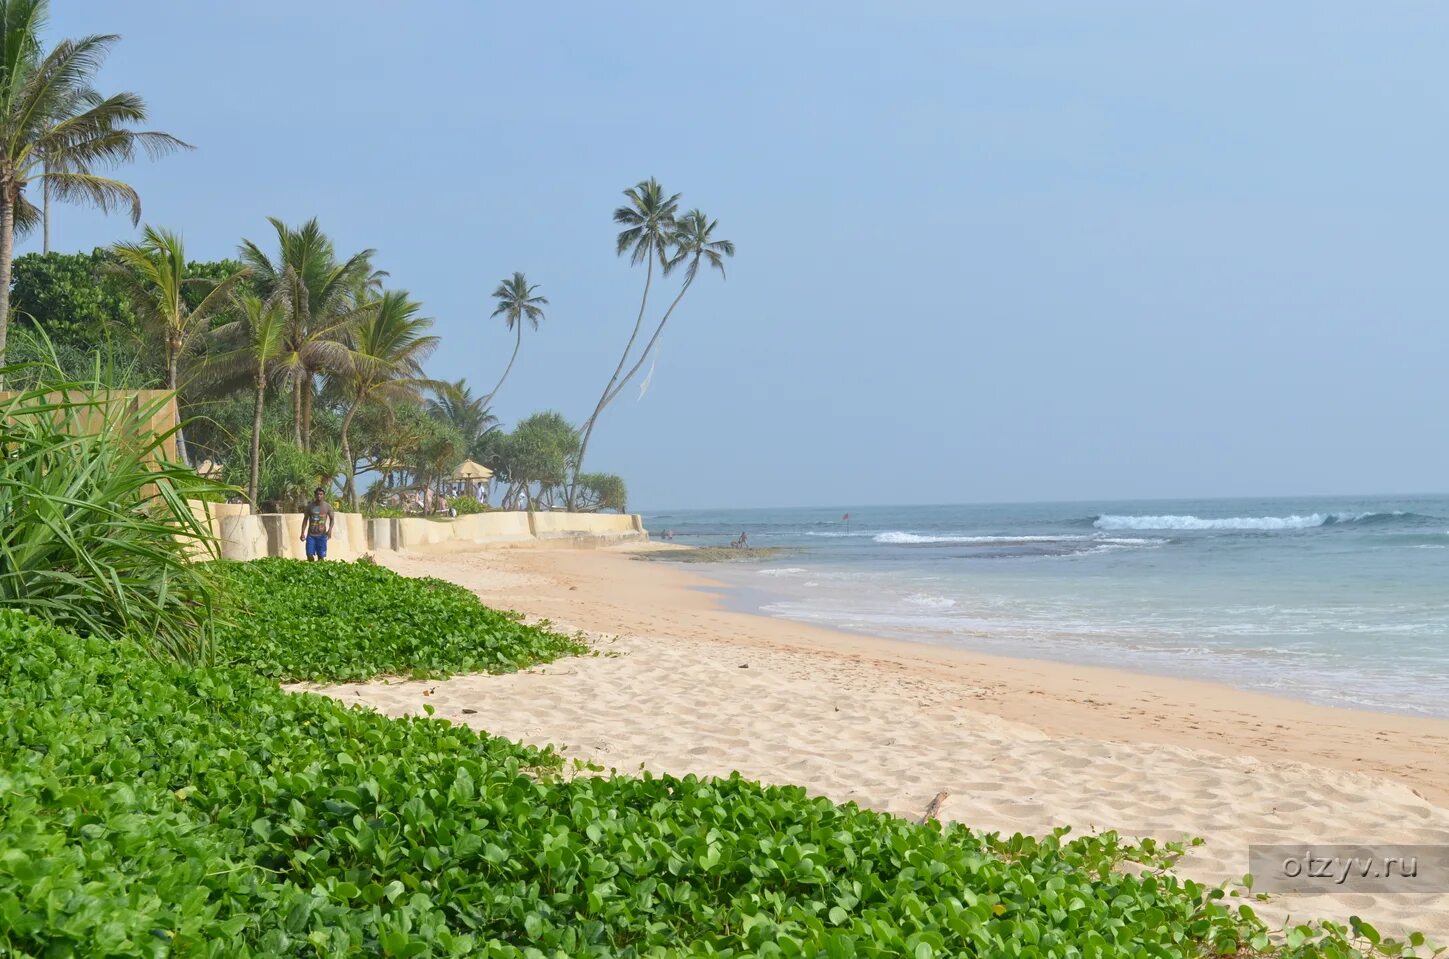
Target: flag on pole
(648,377)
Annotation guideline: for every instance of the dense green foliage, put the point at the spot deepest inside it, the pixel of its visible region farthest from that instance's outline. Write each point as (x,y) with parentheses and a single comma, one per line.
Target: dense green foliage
(152,810)
(343,621)
(69,296)
(94,527)
(534,460)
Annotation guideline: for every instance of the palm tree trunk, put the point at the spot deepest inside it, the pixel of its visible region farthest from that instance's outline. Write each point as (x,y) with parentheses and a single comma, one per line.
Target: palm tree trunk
(255,475)
(518,341)
(308,388)
(350,491)
(652,340)
(45,212)
(7,253)
(171,363)
(604,397)
(297,410)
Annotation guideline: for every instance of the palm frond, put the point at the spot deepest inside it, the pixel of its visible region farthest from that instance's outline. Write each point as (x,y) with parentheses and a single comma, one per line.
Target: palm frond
(518,301)
(104,193)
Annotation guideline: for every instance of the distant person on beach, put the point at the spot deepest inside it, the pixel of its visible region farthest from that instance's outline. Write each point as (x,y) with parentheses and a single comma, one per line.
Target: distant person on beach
(742,543)
(317,526)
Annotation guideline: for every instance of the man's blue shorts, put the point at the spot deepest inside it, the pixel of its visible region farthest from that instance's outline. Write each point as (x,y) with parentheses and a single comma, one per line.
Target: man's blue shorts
(317,546)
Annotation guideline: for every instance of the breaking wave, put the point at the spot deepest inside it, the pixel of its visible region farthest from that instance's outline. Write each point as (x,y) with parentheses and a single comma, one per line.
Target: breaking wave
(1308,521)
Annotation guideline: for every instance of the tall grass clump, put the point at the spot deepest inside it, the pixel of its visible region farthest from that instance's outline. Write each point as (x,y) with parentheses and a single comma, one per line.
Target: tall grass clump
(95,530)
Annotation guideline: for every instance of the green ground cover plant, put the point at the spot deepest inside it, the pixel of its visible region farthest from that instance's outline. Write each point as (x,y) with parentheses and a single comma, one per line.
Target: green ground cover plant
(153,809)
(336,622)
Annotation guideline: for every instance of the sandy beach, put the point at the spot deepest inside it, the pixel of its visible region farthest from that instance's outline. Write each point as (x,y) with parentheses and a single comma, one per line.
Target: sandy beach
(681,684)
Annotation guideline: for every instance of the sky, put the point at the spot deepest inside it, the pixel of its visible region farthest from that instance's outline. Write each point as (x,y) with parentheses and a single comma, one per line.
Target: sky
(1007,251)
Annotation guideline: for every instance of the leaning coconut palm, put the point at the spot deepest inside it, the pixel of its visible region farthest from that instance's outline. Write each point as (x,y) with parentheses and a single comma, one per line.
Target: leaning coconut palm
(690,239)
(250,345)
(153,275)
(54,128)
(517,303)
(454,404)
(648,221)
(387,352)
(693,242)
(322,302)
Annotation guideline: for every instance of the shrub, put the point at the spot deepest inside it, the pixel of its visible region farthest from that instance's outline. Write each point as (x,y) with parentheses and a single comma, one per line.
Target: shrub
(466,505)
(95,530)
(600,491)
(152,810)
(342,621)
(287,474)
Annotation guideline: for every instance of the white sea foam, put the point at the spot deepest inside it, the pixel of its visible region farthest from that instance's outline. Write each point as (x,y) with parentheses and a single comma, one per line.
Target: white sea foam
(899,538)
(896,537)
(782,571)
(931,602)
(1195,522)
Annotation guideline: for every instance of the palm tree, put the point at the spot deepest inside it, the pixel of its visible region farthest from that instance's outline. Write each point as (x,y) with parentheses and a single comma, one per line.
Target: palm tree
(56,129)
(257,339)
(387,352)
(516,303)
(693,241)
(153,274)
(648,219)
(454,404)
(323,304)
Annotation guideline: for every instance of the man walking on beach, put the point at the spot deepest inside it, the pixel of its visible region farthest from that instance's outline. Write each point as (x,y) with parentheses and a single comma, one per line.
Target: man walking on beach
(317,526)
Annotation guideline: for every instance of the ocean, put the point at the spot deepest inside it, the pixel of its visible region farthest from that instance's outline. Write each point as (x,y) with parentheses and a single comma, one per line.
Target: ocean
(1342,601)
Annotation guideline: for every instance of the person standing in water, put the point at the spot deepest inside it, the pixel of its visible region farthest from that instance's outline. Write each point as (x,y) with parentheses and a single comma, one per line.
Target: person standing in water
(317,526)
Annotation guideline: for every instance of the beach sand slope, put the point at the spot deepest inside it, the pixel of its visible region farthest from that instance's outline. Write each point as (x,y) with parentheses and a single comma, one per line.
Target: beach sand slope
(681,685)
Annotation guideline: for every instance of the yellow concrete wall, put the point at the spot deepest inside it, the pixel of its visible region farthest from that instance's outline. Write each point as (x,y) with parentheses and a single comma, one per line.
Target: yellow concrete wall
(244,536)
(482,527)
(415,531)
(599,524)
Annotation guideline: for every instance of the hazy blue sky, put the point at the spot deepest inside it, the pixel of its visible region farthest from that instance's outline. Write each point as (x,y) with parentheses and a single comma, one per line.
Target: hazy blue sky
(1004,251)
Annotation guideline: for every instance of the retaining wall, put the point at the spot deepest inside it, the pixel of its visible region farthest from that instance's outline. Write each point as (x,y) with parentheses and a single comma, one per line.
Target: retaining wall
(243,535)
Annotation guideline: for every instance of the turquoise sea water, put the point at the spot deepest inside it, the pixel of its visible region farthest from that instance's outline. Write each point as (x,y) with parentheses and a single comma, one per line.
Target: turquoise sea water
(1342,601)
